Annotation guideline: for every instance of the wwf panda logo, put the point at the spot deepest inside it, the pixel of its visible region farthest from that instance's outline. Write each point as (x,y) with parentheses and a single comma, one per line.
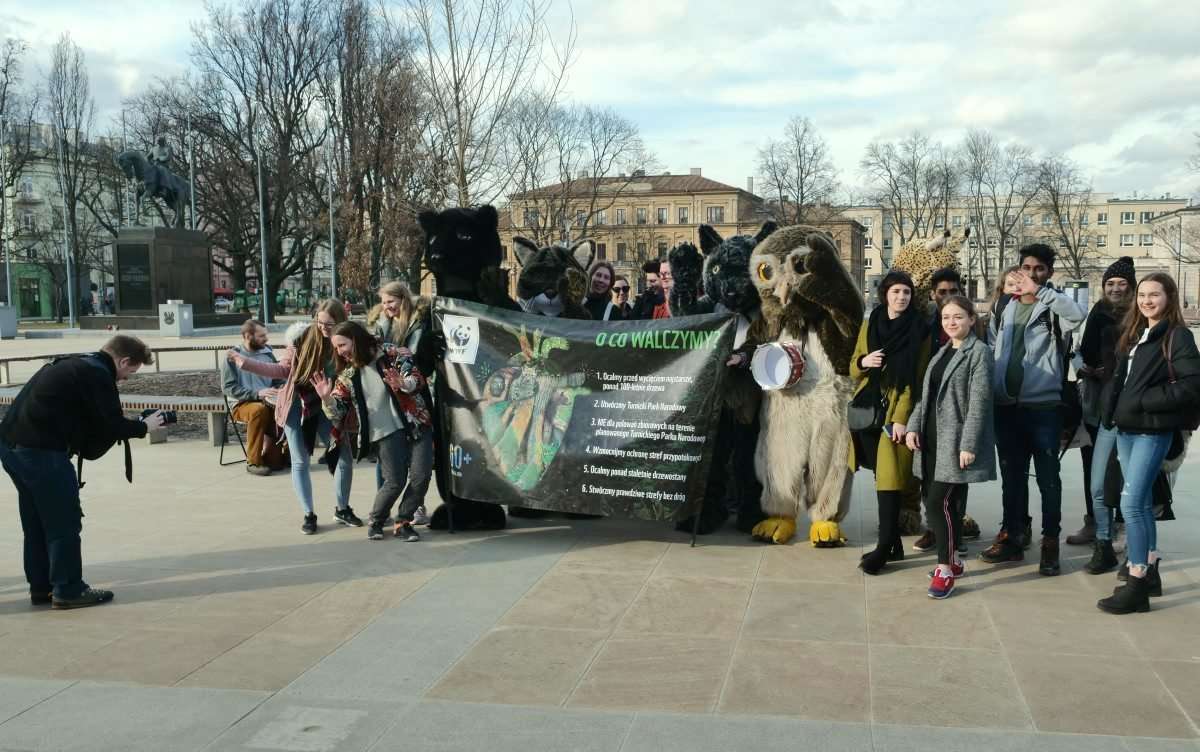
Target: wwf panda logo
(461,335)
(168,317)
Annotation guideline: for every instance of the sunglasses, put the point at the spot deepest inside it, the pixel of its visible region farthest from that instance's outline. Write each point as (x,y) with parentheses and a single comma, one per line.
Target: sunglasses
(620,289)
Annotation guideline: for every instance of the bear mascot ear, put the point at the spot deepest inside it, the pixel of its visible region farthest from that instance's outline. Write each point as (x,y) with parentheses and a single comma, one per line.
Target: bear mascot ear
(710,239)
(583,252)
(524,248)
(488,216)
(766,230)
(430,222)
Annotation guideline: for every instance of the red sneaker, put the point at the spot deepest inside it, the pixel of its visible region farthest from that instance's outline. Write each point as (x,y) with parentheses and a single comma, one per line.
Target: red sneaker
(942,584)
(958,569)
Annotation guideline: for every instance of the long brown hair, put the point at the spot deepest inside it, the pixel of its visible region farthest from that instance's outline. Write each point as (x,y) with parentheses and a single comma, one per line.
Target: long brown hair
(365,346)
(314,350)
(1135,323)
(403,317)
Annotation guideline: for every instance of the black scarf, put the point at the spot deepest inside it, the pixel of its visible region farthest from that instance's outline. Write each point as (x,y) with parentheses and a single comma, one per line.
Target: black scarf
(900,339)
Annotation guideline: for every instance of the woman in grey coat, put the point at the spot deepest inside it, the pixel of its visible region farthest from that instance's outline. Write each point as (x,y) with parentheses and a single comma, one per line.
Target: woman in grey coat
(951,433)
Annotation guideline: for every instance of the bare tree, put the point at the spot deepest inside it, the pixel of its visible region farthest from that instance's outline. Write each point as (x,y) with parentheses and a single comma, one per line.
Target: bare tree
(913,180)
(561,161)
(261,71)
(480,56)
(1180,237)
(17,113)
(1001,184)
(378,117)
(798,173)
(1066,198)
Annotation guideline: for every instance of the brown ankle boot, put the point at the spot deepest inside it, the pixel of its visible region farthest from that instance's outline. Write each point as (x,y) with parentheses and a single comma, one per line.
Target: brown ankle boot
(1049,566)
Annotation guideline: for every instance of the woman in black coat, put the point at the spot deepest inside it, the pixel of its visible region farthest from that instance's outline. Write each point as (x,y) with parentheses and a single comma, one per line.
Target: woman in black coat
(1154,395)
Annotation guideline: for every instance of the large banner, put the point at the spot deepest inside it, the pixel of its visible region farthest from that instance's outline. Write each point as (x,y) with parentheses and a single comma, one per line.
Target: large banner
(611,418)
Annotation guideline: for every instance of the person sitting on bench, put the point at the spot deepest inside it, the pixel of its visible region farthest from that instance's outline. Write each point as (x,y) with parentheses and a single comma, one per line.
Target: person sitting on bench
(255,397)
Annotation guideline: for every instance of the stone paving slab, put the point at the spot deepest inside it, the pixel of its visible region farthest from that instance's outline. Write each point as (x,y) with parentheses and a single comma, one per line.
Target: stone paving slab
(240,633)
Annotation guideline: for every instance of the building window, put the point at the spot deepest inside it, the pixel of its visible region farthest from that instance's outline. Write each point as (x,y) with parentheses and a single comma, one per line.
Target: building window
(1147,216)
(641,251)
(662,249)
(602,251)
(1083,241)
(1127,240)
(992,243)
(620,216)
(1027,220)
(1101,241)
(660,215)
(27,222)
(25,188)
(580,217)
(974,243)
(939,222)
(1102,218)
(602,217)
(1010,242)
(956,220)
(1083,220)
(1147,239)
(887,244)
(1046,220)
(531,218)
(716,215)
(504,252)
(867,222)
(641,212)
(683,215)
(868,241)
(620,247)
(1126,218)
(868,263)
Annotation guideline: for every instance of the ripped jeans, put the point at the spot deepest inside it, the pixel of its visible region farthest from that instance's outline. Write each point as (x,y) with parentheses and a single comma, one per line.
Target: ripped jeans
(1022,434)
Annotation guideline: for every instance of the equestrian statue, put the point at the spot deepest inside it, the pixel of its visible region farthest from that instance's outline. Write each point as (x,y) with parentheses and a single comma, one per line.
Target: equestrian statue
(155,181)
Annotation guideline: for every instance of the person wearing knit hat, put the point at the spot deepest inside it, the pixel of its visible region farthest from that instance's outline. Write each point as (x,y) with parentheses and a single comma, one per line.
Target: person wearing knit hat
(1097,359)
(1123,269)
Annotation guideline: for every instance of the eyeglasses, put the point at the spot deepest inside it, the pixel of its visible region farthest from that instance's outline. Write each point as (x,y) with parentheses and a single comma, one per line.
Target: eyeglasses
(326,324)
(620,289)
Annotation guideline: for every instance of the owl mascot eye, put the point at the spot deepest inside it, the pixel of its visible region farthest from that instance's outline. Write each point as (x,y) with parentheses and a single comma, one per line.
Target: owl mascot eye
(801,457)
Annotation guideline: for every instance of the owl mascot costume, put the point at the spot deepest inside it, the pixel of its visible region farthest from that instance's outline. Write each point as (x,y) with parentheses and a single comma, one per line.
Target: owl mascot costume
(808,298)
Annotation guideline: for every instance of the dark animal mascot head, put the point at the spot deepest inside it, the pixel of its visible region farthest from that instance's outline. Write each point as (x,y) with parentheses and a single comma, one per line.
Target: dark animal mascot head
(542,268)
(727,267)
(459,245)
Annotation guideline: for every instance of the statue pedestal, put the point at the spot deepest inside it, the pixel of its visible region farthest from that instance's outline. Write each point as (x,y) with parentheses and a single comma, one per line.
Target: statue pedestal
(157,264)
(175,319)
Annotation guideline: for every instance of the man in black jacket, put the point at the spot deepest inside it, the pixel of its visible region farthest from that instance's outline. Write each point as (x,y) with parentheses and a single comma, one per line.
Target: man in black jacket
(70,407)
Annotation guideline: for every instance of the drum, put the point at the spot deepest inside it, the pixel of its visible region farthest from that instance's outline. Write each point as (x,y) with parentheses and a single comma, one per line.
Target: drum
(777,365)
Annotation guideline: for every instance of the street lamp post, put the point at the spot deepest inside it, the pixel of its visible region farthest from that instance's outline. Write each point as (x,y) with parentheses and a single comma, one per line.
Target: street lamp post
(7,247)
(262,239)
(332,253)
(191,172)
(58,142)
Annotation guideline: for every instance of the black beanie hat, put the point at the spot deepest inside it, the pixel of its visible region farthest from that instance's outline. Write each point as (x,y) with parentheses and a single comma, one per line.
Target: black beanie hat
(1123,268)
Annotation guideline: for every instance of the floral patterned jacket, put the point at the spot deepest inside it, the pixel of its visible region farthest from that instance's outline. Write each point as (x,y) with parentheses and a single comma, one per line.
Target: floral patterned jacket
(347,400)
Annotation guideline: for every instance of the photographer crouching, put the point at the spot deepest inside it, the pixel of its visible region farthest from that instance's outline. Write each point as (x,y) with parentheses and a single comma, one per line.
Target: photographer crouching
(69,407)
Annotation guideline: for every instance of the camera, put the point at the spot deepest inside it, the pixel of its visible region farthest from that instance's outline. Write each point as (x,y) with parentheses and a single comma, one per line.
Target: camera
(169,416)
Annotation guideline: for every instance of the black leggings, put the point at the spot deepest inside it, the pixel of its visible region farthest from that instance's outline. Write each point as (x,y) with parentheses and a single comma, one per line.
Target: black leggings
(944,504)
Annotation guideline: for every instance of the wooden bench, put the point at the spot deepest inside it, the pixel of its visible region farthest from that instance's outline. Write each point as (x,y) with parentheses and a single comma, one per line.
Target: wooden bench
(214,407)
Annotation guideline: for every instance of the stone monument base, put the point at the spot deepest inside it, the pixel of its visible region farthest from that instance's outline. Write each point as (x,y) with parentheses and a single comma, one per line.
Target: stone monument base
(150,322)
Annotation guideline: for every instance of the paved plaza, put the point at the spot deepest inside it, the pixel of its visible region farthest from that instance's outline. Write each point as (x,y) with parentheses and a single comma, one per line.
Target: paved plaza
(233,631)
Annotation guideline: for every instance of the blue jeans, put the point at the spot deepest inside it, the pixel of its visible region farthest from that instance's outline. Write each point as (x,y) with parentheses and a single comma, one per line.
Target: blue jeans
(51,518)
(1141,456)
(301,481)
(1103,446)
(1023,433)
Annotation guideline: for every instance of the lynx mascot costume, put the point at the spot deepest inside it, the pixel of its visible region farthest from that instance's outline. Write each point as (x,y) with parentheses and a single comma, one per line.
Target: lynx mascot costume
(920,258)
(801,459)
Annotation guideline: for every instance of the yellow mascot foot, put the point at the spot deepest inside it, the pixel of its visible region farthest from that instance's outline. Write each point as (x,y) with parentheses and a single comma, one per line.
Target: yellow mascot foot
(826,534)
(775,529)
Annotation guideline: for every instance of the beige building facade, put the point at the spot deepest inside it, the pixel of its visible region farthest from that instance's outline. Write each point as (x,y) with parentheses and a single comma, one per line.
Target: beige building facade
(1108,228)
(642,218)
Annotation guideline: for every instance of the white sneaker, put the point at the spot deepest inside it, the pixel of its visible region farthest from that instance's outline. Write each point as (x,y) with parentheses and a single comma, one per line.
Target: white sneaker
(420,517)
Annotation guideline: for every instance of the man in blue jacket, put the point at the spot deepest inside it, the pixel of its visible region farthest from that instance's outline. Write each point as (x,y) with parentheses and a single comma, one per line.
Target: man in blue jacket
(1030,366)
(70,407)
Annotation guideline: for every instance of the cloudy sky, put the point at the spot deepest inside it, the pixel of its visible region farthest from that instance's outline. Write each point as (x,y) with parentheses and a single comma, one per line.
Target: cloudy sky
(1114,84)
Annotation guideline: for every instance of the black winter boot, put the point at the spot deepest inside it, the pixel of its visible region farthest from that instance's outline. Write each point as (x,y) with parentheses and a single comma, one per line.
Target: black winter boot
(1153,581)
(889,533)
(1134,596)
(1103,559)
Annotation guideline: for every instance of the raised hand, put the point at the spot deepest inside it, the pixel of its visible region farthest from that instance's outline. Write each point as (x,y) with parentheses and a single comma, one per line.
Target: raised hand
(322,385)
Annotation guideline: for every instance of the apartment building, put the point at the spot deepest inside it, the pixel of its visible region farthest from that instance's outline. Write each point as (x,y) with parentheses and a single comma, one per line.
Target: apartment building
(1108,227)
